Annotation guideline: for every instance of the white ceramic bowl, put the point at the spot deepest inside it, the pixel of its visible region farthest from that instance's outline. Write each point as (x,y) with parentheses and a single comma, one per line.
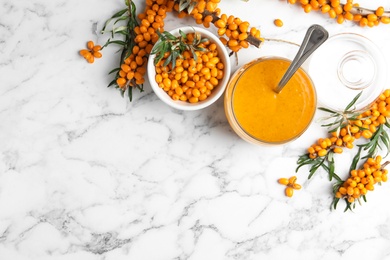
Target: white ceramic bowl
(216,92)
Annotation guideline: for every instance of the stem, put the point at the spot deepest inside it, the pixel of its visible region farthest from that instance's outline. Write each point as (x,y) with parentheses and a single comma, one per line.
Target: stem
(384,164)
(280,40)
(251,40)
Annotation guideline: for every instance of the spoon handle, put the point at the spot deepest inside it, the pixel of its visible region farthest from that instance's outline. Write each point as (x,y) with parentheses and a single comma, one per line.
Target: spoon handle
(315,36)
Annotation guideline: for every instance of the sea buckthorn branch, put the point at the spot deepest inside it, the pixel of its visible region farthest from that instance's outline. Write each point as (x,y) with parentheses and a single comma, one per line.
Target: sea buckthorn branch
(326,162)
(369,124)
(127,43)
(233,32)
(348,11)
(378,138)
(341,119)
(360,181)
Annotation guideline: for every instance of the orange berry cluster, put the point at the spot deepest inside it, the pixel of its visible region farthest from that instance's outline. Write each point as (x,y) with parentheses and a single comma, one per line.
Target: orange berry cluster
(192,79)
(236,31)
(362,180)
(291,185)
(92,52)
(133,68)
(365,126)
(342,12)
(203,11)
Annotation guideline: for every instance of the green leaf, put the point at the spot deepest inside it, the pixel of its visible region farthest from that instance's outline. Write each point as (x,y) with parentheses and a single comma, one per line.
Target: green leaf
(183,5)
(114,70)
(130,93)
(327,110)
(355,160)
(191,7)
(120,28)
(174,56)
(335,202)
(182,34)
(113,82)
(116,15)
(331,166)
(121,19)
(167,61)
(387,123)
(118,42)
(353,101)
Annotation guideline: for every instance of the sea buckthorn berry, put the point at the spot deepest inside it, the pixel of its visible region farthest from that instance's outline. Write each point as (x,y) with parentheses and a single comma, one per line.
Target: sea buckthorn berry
(193,100)
(325,8)
(84,52)
(90,45)
(292,179)
(385,20)
(97,54)
(348,16)
(289,192)
(367,134)
(347,7)
(121,82)
(283,181)
(296,186)
(97,48)
(243,27)
(322,152)
(90,59)
(220,23)
(372,17)
(363,22)
(278,22)
(340,19)
(332,13)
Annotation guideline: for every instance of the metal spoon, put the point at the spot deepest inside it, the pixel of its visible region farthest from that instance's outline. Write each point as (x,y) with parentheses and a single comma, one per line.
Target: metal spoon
(315,36)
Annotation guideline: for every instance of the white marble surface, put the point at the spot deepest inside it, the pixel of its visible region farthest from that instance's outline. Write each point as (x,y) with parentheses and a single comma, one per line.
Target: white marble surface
(87,175)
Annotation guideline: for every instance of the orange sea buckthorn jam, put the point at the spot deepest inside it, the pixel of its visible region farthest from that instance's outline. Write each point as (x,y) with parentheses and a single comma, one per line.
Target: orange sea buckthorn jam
(256,110)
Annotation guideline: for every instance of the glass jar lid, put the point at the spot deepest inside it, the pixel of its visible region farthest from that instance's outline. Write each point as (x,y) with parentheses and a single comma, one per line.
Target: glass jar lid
(345,65)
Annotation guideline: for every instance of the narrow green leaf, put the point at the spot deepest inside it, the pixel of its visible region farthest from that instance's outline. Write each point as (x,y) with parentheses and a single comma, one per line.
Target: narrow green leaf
(355,160)
(167,61)
(191,7)
(114,70)
(335,202)
(183,5)
(113,82)
(182,34)
(118,42)
(120,19)
(130,93)
(353,101)
(116,15)
(327,110)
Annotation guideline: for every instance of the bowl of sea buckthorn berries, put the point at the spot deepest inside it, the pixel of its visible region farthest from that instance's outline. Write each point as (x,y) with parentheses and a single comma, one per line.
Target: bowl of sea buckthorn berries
(188,68)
